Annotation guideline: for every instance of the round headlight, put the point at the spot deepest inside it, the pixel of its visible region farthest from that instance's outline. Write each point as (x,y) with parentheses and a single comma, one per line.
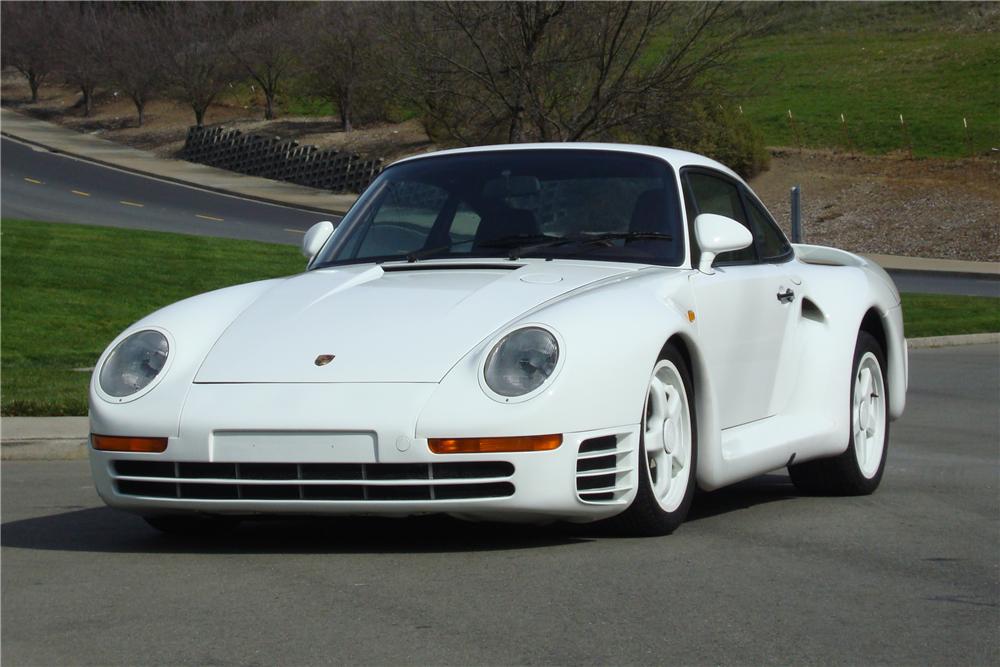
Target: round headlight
(134,363)
(521,362)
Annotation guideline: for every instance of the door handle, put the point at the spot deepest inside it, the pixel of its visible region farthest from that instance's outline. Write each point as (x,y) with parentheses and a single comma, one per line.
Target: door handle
(787,296)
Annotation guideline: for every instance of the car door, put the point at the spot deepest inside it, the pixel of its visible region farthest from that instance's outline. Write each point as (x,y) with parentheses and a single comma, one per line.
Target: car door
(744,309)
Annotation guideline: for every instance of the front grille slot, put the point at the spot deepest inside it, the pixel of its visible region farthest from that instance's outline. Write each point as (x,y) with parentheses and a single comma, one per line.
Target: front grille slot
(206,470)
(398,471)
(265,470)
(208,491)
(472,469)
(145,468)
(332,471)
(351,482)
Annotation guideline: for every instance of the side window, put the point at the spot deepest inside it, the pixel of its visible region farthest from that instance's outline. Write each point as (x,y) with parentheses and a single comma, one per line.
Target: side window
(403,219)
(773,244)
(719,196)
(465,224)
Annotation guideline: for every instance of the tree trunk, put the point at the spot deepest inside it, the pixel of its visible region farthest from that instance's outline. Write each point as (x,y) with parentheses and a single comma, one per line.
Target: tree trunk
(199,115)
(33,83)
(140,108)
(88,100)
(346,112)
(268,105)
(516,133)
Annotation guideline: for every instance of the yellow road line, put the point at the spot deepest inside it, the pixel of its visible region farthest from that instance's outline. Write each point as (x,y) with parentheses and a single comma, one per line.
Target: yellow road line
(296,231)
(208,217)
(33,180)
(130,203)
(81,193)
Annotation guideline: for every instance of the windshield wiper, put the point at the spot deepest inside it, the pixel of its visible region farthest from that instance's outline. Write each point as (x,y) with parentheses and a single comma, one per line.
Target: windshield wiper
(588,240)
(501,242)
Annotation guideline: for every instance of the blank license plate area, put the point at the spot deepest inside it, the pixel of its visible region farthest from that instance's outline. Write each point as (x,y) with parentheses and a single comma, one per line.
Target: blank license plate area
(293,447)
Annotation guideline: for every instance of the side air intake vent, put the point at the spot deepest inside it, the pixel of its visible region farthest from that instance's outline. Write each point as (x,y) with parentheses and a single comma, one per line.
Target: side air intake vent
(604,473)
(811,311)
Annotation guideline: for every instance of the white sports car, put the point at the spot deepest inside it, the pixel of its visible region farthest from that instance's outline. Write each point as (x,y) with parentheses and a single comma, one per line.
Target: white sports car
(525,333)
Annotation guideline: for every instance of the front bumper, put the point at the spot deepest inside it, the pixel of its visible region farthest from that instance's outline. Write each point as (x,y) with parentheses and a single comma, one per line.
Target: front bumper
(282,449)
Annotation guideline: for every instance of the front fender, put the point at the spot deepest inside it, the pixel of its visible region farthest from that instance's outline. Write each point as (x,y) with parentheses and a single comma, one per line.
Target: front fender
(611,336)
(194,325)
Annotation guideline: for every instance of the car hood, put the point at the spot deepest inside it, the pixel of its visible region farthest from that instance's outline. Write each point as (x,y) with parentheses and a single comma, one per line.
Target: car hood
(408,323)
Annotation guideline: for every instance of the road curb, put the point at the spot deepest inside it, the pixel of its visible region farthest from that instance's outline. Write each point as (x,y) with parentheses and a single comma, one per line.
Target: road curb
(178,181)
(952,341)
(44,450)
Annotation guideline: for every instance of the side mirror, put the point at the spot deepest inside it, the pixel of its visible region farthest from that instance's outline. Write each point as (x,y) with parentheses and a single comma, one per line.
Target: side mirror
(314,239)
(718,234)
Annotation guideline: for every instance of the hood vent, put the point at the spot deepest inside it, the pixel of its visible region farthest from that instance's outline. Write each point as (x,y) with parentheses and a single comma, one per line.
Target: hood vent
(450,267)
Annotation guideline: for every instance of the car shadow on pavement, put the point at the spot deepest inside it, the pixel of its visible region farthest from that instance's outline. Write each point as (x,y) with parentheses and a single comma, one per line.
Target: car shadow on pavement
(770,488)
(101,529)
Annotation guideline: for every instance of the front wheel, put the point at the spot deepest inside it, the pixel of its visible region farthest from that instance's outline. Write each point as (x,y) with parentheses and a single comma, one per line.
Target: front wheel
(668,451)
(858,470)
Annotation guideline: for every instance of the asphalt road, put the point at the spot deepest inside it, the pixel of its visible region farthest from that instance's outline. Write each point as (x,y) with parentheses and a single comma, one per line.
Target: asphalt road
(757,575)
(37,184)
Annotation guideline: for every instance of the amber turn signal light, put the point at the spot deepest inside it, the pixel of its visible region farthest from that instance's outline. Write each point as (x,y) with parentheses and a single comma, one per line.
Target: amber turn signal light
(114,443)
(527,443)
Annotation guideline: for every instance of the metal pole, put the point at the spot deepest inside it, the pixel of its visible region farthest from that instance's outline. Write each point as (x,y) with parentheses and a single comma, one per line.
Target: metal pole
(796,215)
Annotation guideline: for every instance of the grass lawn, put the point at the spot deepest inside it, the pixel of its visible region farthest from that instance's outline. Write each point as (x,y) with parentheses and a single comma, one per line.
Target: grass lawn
(68,290)
(945,315)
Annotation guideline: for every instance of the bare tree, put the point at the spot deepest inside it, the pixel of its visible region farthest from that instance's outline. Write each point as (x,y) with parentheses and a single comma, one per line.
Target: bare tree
(133,55)
(266,45)
(23,45)
(345,46)
(77,39)
(196,61)
(564,71)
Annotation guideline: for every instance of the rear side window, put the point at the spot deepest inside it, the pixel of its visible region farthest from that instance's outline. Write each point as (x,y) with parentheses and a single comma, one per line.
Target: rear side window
(721,197)
(772,243)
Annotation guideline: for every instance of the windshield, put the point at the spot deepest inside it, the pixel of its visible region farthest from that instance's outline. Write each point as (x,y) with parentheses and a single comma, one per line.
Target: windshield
(600,205)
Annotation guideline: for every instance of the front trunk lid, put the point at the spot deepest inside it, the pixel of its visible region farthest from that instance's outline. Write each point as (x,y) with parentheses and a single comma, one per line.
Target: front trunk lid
(407,323)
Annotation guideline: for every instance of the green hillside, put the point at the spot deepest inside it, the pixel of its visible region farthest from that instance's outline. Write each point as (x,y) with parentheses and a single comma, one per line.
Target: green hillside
(936,64)
(935,79)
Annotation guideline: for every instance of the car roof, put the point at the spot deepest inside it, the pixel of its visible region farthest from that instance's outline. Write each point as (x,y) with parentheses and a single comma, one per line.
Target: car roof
(676,158)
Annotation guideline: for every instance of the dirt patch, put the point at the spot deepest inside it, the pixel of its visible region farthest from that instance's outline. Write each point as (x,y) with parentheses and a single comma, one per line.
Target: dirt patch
(885,205)
(890,205)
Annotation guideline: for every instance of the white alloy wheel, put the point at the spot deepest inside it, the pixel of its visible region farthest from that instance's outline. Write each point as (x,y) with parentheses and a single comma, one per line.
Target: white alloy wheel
(667,436)
(868,415)
(859,470)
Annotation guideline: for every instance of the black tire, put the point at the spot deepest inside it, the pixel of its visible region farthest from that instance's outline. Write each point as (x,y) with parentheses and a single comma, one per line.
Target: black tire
(841,475)
(645,517)
(192,524)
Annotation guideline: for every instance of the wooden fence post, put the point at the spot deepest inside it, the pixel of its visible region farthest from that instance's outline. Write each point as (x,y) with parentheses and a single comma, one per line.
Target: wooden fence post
(795,130)
(907,142)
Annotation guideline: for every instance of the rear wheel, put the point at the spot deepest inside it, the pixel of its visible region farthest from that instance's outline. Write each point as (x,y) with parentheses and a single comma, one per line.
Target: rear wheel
(192,524)
(668,452)
(858,470)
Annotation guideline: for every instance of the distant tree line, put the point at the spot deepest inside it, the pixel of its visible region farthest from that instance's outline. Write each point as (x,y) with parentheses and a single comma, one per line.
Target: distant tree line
(474,72)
